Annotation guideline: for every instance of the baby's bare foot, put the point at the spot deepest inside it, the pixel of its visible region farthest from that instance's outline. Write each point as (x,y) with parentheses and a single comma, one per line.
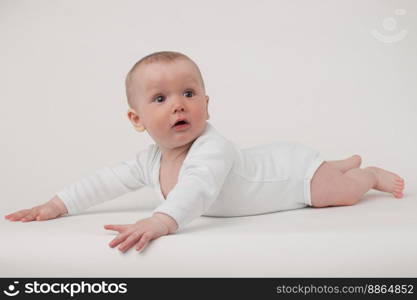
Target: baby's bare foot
(388,182)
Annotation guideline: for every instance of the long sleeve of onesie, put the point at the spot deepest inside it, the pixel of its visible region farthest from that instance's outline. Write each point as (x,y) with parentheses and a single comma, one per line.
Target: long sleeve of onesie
(200,180)
(105,184)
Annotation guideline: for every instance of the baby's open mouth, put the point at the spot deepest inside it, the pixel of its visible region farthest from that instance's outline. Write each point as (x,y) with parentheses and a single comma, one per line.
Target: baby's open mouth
(181,122)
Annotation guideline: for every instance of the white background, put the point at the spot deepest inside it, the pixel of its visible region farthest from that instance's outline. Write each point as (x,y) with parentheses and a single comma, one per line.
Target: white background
(304,71)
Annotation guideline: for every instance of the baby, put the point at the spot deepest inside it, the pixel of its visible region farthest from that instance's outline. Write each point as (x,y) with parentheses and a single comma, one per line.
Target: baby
(196,171)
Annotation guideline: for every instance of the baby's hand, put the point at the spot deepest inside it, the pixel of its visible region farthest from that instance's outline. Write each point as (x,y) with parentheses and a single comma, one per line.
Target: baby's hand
(50,210)
(138,234)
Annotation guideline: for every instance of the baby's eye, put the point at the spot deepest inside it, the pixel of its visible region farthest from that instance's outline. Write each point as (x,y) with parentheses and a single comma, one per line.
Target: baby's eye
(158,98)
(190,93)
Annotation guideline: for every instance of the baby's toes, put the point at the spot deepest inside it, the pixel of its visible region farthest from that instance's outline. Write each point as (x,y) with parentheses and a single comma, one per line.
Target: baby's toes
(399,180)
(398,185)
(398,194)
(398,189)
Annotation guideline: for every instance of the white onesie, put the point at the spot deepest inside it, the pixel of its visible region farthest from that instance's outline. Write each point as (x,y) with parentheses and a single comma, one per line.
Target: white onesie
(216,179)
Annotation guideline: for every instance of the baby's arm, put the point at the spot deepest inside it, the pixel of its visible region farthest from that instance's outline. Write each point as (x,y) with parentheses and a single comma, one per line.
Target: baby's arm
(203,174)
(200,182)
(52,209)
(104,184)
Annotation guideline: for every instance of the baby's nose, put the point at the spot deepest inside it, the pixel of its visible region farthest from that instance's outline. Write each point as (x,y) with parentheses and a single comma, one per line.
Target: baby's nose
(178,104)
(178,108)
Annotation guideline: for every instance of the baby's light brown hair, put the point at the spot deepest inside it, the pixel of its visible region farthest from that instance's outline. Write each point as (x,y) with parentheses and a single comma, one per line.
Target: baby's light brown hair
(161,56)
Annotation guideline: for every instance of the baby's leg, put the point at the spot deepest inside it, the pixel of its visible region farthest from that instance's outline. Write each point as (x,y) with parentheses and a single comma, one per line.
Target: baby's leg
(332,187)
(347,164)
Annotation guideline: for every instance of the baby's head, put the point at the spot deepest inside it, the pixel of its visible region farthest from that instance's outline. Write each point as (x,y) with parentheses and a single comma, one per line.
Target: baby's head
(161,88)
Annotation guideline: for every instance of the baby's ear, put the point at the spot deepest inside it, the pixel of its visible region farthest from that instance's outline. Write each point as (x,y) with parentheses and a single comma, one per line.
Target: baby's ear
(208,115)
(135,120)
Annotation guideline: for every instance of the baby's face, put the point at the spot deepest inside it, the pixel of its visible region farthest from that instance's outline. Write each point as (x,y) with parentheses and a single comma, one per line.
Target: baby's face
(165,92)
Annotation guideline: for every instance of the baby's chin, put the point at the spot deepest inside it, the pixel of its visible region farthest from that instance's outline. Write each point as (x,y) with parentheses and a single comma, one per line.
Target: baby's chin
(176,139)
(183,141)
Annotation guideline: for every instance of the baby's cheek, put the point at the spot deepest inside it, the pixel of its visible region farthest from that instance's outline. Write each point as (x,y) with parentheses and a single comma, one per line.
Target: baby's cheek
(201,113)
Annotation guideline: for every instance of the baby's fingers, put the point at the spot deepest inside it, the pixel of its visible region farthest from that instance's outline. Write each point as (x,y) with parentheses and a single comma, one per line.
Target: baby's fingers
(30,217)
(130,241)
(143,241)
(18,215)
(118,228)
(118,239)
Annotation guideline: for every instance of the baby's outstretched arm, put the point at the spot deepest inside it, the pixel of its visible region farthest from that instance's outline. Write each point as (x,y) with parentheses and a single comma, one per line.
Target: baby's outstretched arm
(142,232)
(52,209)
